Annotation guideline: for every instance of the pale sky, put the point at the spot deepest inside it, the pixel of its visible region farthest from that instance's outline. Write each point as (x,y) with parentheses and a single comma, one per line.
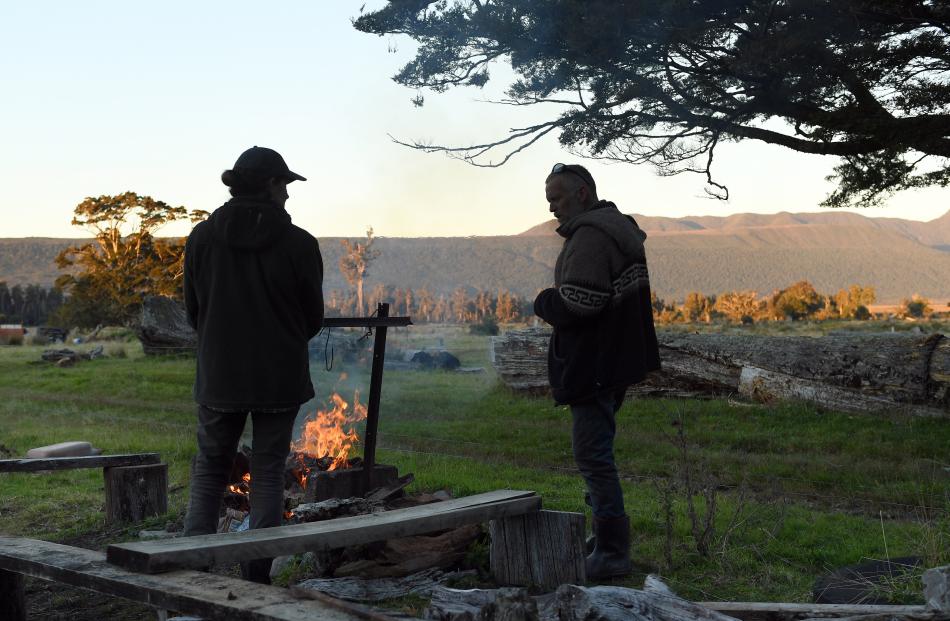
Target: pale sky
(101,97)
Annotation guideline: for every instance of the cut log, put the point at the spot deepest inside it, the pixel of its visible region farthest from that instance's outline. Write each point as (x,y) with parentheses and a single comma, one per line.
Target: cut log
(12,602)
(164,328)
(861,373)
(134,493)
(543,549)
(203,550)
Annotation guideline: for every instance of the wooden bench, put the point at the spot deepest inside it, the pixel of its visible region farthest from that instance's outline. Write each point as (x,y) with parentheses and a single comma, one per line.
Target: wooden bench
(205,595)
(204,550)
(136,484)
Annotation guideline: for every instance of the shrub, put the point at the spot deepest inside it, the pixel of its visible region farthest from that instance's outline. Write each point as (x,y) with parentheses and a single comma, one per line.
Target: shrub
(487,325)
(916,307)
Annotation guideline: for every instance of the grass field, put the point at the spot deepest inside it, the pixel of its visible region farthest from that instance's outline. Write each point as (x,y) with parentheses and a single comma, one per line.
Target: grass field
(799,491)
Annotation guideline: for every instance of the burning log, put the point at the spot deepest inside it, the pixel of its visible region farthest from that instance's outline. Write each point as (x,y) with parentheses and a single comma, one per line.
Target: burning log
(333,508)
(849,372)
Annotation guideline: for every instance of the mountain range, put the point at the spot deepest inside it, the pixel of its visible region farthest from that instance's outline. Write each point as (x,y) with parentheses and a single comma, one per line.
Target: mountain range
(711,254)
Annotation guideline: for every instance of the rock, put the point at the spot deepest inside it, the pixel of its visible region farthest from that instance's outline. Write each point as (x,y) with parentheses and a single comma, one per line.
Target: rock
(279,564)
(861,584)
(436,360)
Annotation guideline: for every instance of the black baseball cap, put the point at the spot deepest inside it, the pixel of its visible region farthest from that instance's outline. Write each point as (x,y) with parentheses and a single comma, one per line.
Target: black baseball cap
(267,163)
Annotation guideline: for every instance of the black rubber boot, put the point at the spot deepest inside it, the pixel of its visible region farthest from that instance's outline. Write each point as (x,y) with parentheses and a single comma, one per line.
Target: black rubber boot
(611,555)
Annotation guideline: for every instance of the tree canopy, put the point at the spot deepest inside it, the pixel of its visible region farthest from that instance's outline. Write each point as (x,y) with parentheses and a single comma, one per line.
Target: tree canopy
(108,278)
(666,81)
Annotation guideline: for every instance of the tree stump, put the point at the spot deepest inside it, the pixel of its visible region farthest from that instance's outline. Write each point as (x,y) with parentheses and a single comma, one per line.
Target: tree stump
(12,601)
(134,493)
(543,549)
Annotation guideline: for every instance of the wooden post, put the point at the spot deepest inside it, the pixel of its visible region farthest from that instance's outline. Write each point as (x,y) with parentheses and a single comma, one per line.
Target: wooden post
(134,493)
(12,602)
(543,549)
(372,407)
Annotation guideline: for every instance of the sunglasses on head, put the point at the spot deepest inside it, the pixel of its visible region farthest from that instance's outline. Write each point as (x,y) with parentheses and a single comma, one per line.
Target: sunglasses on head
(563,168)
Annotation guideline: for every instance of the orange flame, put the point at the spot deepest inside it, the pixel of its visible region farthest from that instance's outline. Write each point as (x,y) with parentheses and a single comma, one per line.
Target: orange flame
(331,433)
(244,487)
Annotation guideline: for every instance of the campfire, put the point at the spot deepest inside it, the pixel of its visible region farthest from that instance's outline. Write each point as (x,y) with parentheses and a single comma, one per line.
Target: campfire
(319,465)
(327,438)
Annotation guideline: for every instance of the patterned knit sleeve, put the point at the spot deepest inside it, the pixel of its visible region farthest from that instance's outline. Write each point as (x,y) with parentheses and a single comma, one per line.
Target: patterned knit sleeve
(585,288)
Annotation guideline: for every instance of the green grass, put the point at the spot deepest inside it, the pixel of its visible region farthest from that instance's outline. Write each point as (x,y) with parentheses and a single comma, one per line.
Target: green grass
(801,491)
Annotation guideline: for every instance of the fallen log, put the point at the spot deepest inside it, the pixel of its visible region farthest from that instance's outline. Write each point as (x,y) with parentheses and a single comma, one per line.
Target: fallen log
(164,329)
(569,603)
(357,589)
(862,373)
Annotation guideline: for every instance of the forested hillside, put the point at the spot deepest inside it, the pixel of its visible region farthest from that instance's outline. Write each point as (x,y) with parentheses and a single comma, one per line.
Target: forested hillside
(709,254)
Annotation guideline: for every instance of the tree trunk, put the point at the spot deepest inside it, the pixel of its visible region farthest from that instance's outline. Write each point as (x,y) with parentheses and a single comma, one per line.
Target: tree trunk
(850,372)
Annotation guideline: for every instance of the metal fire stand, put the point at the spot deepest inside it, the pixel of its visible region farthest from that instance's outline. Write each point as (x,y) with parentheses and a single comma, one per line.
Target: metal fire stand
(380,322)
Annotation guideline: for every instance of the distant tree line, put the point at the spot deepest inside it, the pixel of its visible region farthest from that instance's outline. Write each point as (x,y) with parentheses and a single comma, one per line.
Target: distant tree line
(796,302)
(463,305)
(107,279)
(30,305)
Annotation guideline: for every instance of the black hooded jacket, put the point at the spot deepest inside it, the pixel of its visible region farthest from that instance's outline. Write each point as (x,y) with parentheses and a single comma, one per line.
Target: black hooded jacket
(603,338)
(253,291)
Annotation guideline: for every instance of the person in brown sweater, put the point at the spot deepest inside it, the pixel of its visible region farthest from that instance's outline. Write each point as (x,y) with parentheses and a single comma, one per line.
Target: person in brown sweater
(603,341)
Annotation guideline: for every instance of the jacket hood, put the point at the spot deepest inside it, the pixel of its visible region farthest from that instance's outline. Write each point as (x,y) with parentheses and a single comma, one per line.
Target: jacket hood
(249,224)
(606,217)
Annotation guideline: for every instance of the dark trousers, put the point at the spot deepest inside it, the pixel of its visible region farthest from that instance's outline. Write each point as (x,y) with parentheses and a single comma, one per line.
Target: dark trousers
(218,436)
(593,442)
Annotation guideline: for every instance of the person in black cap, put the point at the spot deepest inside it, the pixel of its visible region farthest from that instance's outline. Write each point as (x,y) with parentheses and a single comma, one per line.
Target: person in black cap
(253,291)
(603,341)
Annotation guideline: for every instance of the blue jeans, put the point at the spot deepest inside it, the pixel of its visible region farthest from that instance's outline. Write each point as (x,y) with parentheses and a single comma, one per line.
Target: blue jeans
(218,436)
(593,442)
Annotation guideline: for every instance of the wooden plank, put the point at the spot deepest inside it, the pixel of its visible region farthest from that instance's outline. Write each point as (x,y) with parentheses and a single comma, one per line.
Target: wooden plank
(769,610)
(69,463)
(202,550)
(206,595)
